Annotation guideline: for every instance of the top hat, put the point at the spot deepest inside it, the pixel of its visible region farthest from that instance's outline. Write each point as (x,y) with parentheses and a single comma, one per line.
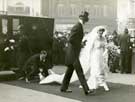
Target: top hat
(84,15)
(125,30)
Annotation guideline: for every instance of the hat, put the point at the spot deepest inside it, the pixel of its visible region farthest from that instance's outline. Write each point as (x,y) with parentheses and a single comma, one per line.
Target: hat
(102,29)
(84,15)
(43,52)
(125,30)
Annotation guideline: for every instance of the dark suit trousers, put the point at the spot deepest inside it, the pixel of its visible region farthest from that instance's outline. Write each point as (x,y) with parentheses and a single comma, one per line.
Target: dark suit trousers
(68,75)
(124,62)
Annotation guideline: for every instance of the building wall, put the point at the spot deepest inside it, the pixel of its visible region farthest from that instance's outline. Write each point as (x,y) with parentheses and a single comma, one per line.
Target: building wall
(102,12)
(122,16)
(45,7)
(65,12)
(126,15)
(3,6)
(21,7)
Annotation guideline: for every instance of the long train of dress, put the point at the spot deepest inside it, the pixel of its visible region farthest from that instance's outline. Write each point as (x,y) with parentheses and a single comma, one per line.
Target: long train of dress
(84,60)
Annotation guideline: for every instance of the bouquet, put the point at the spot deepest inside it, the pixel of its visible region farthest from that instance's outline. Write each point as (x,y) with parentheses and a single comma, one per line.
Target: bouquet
(113,49)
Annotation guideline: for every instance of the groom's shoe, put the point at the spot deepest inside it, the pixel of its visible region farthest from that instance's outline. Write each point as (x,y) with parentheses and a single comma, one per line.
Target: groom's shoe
(90,92)
(66,91)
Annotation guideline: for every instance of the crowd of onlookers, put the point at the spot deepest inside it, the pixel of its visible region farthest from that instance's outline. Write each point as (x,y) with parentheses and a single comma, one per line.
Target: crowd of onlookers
(59,47)
(116,62)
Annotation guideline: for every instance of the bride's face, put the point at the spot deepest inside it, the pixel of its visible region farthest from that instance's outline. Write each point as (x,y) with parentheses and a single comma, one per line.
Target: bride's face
(100,33)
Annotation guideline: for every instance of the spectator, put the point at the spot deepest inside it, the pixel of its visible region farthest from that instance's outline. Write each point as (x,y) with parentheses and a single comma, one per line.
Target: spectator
(113,60)
(124,43)
(39,63)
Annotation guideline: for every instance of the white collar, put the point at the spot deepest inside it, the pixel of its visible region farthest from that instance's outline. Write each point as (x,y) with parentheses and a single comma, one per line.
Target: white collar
(81,21)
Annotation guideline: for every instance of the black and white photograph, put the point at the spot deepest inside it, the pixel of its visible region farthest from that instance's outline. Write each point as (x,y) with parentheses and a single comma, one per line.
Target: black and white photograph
(67,50)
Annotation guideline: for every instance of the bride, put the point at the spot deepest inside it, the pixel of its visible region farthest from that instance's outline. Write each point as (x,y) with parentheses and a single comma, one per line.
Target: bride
(92,58)
(97,58)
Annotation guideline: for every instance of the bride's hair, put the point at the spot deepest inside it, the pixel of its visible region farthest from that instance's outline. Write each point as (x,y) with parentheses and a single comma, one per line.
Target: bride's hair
(102,29)
(98,28)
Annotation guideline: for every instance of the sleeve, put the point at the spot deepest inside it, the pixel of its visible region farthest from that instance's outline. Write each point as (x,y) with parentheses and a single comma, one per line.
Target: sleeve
(74,33)
(119,40)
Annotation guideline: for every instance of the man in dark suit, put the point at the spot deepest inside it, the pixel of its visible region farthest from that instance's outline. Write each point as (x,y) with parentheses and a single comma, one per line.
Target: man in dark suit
(38,62)
(124,43)
(72,55)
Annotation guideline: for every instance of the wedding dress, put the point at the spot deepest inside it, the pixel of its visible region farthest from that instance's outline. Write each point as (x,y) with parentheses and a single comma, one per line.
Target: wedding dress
(97,62)
(90,61)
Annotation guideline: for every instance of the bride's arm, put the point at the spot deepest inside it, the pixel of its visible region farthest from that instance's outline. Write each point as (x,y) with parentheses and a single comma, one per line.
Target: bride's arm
(105,48)
(92,46)
(105,52)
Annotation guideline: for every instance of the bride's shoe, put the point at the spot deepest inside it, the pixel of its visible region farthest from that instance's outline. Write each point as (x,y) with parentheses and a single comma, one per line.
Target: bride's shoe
(107,90)
(80,87)
(105,86)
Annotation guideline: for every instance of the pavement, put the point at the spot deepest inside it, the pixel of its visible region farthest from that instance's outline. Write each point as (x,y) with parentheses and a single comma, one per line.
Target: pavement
(125,79)
(122,89)
(18,94)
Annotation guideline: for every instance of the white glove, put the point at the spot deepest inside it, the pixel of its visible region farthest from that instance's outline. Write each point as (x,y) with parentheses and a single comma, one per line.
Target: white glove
(6,49)
(12,41)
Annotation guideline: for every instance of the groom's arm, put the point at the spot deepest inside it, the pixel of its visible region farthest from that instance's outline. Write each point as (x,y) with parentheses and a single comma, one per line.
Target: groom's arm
(74,35)
(83,43)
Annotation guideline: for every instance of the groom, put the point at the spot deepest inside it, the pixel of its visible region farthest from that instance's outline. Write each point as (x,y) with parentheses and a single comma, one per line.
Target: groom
(72,55)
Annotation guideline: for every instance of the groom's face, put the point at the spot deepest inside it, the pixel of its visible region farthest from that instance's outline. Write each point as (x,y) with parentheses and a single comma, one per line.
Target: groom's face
(85,20)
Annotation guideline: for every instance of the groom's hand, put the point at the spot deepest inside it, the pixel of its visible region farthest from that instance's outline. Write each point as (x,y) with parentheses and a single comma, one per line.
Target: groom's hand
(83,43)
